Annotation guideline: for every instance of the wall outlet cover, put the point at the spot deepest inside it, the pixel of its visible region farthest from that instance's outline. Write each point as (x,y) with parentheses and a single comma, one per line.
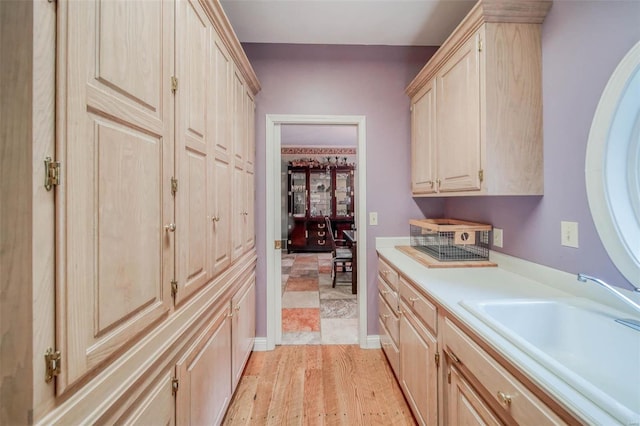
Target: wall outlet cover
(497,237)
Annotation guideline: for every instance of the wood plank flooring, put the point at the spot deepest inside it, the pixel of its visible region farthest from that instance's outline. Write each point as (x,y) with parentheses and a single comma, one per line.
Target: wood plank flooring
(318,385)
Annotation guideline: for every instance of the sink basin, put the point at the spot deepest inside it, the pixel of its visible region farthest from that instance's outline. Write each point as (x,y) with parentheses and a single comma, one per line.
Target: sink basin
(583,346)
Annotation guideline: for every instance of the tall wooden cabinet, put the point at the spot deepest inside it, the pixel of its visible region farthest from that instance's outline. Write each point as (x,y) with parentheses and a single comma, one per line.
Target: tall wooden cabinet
(316,192)
(143,295)
(477,106)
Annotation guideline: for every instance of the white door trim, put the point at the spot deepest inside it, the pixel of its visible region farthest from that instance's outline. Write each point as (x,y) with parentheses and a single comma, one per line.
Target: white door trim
(274,289)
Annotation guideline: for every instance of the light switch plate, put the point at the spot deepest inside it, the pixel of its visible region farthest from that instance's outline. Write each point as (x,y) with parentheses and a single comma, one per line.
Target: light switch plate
(569,234)
(373,218)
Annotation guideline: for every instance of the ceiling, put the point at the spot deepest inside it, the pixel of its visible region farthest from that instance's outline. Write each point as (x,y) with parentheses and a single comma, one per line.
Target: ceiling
(359,22)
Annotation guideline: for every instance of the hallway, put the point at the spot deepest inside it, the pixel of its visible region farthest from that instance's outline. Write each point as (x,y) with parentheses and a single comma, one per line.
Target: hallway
(313,312)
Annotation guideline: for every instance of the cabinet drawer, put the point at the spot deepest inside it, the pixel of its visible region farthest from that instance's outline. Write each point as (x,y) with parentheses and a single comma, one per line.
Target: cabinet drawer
(316,226)
(388,273)
(390,349)
(318,242)
(517,400)
(389,318)
(388,294)
(421,307)
(318,234)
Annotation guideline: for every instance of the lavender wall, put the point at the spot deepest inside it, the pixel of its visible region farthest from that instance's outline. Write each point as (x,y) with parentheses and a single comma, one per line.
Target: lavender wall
(345,80)
(582,42)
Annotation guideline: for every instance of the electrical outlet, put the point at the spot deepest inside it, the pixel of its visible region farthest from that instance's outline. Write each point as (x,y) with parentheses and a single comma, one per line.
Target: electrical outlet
(569,234)
(497,237)
(373,218)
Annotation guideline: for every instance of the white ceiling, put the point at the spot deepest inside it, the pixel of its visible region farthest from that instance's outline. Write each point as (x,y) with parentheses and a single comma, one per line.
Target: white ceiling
(364,22)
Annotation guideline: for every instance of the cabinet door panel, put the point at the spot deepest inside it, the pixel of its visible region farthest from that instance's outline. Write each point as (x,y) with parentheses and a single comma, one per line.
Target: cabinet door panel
(249,226)
(222,201)
(458,117)
(158,406)
(204,375)
(221,68)
(192,216)
(464,406)
(423,142)
(114,260)
(238,217)
(239,120)
(244,331)
(418,369)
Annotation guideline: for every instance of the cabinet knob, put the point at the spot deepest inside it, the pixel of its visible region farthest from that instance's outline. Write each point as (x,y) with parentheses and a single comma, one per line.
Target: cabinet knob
(505,398)
(170,227)
(215,219)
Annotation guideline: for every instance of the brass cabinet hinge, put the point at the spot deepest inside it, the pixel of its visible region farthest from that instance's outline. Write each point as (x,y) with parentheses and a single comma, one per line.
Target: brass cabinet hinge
(52,361)
(449,376)
(437,359)
(174,386)
(481,175)
(479,45)
(174,288)
(174,84)
(51,173)
(278,244)
(174,186)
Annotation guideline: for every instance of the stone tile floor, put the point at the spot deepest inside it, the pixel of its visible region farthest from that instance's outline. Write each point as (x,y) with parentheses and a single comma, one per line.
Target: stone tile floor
(313,312)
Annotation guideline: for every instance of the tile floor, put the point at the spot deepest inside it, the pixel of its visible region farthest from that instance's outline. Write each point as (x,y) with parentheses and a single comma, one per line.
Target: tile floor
(313,312)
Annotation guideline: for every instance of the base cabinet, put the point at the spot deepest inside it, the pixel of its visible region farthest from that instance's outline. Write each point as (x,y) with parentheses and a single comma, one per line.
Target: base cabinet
(446,372)
(204,375)
(418,368)
(244,327)
(464,405)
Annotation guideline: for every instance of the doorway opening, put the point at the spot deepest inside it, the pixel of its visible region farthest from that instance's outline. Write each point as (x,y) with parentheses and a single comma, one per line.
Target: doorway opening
(319,187)
(277,225)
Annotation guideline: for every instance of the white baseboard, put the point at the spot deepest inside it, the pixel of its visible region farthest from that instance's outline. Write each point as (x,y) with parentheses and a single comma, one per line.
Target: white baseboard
(260,344)
(372,342)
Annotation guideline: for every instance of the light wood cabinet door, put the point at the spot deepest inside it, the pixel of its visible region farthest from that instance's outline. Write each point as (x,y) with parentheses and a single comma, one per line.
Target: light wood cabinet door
(157,405)
(239,119)
(464,406)
(418,369)
(458,117)
(238,212)
(249,234)
(220,197)
(114,260)
(423,141)
(221,218)
(204,375)
(222,97)
(194,265)
(244,326)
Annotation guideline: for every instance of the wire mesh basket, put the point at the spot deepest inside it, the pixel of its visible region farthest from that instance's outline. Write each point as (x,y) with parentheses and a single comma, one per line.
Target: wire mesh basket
(450,240)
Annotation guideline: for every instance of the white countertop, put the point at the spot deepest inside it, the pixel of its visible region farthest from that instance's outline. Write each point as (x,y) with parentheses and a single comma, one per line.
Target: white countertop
(511,279)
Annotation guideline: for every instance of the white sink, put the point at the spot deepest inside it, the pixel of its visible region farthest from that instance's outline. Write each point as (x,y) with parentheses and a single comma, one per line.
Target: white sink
(583,346)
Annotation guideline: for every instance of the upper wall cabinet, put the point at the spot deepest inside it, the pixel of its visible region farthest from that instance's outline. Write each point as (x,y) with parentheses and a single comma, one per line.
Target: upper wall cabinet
(477,106)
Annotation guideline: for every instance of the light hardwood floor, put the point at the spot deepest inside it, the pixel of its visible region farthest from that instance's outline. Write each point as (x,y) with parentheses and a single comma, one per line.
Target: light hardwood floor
(318,385)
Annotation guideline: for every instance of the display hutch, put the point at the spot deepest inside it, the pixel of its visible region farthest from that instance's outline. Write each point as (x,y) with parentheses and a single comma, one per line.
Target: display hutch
(318,190)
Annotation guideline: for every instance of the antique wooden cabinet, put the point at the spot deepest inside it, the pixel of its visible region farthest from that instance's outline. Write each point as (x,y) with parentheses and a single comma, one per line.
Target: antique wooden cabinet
(143,279)
(477,106)
(316,192)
